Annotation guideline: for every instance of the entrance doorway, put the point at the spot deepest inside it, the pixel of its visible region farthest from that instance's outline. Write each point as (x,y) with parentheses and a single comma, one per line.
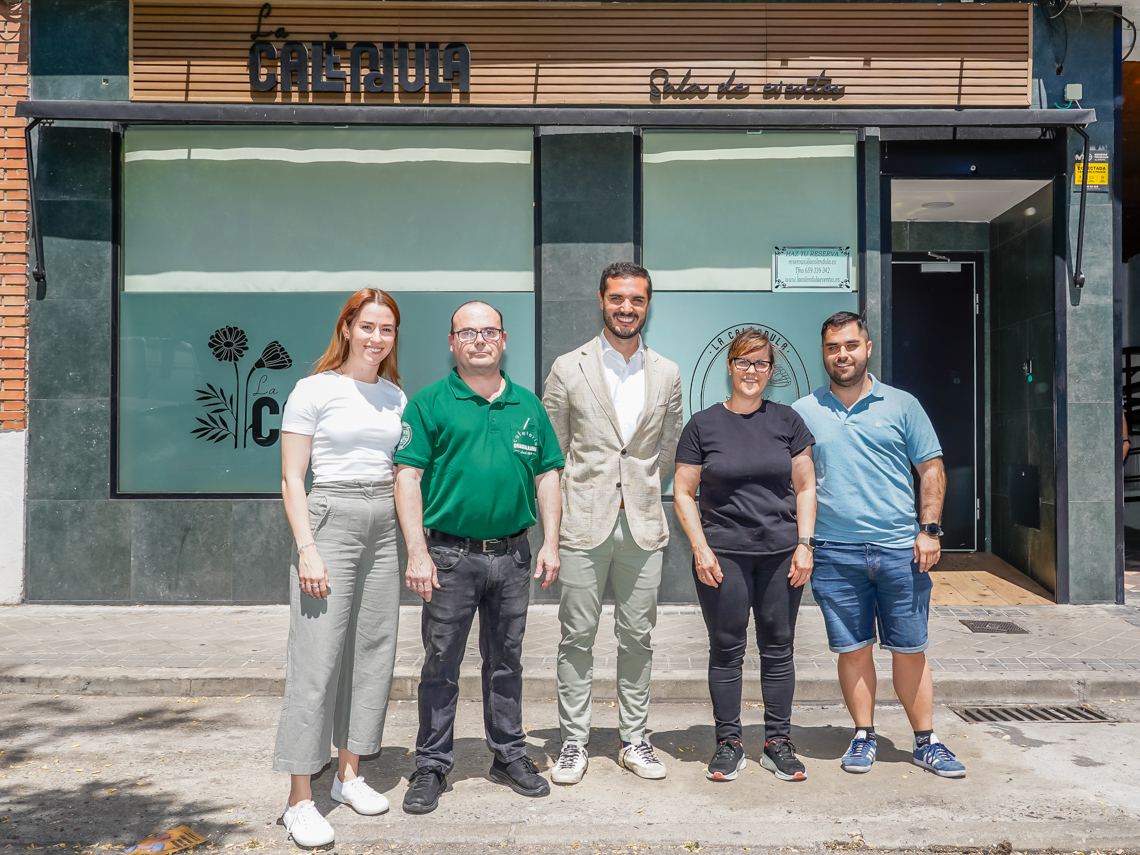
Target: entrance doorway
(971,335)
(935,320)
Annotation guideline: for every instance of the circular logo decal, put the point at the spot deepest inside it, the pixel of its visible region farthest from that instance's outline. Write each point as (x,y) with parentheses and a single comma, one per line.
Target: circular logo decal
(405,436)
(710,382)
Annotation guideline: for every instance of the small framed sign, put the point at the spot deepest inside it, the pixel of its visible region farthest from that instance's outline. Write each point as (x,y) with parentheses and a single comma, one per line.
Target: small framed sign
(811,268)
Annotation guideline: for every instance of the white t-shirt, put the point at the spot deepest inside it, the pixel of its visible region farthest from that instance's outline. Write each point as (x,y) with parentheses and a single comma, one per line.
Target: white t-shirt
(355,426)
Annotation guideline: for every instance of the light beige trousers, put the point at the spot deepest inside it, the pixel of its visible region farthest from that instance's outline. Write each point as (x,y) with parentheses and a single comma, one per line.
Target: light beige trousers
(636,575)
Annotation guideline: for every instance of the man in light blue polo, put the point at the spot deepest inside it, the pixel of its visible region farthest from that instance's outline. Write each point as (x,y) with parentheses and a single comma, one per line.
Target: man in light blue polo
(871,553)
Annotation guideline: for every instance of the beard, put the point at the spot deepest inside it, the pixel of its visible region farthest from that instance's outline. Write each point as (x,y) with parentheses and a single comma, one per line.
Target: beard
(858,373)
(608,320)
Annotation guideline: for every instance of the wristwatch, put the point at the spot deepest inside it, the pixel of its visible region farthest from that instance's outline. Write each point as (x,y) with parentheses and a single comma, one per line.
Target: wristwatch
(933,529)
(809,542)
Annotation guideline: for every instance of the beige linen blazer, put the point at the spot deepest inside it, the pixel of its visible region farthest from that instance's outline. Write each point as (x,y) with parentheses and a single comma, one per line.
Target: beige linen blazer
(602,469)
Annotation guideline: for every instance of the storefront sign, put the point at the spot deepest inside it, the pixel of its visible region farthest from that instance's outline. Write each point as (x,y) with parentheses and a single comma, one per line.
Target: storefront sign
(1098,172)
(660,86)
(811,268)
(818,85)
(319,68)
(527,53)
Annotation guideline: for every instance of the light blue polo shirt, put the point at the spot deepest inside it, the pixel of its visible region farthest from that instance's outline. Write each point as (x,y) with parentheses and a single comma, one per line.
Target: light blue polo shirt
(863,459)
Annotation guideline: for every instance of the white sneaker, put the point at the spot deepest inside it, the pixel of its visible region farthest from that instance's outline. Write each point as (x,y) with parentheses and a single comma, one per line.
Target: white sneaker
(305,823)
(358,796)
(639,758)
(572,763)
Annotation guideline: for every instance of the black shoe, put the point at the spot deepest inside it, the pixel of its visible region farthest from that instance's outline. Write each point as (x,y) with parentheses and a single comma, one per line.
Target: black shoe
(780,757)
(726,761)
(521,776)
(423,790)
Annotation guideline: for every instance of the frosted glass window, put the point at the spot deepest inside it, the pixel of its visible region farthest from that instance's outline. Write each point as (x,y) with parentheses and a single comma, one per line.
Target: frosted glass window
(717,203)
(242,244)
(328,209)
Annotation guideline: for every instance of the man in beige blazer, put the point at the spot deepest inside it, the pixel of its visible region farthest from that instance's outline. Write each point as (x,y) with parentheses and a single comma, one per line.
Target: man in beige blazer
(616,408)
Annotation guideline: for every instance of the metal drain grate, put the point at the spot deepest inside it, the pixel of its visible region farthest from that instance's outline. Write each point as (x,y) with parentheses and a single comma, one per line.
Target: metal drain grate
(1003,626)
(1071,714)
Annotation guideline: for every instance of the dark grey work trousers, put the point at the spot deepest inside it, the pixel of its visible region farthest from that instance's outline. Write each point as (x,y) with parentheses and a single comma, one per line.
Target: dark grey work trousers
(498,587)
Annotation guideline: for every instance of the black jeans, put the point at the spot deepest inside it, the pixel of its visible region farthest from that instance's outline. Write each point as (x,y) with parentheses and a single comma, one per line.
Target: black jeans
(499,587)
(757,583)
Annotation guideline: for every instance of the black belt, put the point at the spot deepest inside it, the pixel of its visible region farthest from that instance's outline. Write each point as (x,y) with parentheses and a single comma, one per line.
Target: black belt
(495,544)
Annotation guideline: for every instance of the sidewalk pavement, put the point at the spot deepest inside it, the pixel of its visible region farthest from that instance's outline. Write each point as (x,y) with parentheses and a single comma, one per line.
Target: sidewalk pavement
(1067,654)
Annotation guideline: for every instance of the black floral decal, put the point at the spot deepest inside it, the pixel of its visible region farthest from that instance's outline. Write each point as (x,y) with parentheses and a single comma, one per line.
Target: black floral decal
(229,344)
(273,357)
(215,426)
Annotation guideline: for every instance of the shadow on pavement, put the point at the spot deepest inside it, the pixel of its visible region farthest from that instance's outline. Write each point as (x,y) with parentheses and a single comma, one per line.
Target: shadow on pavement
(45,804)
(696,744)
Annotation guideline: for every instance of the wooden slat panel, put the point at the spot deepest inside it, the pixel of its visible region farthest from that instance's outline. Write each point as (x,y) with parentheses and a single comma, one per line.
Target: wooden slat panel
(561,53)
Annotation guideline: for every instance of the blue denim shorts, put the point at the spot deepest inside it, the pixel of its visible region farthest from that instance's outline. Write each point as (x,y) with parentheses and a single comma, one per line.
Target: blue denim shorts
(858,585)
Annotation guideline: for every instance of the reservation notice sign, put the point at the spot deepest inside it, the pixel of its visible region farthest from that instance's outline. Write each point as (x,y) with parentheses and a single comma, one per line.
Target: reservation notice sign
(811,268)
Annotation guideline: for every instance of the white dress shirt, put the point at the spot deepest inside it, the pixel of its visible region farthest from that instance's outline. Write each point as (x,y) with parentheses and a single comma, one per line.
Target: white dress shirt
(627,384)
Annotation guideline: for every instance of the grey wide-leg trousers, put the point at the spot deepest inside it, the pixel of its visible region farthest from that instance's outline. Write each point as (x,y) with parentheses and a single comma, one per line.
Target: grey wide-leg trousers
(342,649)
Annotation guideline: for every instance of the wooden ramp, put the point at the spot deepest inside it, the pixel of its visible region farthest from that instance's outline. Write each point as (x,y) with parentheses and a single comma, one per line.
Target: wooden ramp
(982,579)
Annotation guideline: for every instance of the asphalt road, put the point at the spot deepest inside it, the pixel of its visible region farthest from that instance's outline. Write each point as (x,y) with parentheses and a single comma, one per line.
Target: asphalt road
(108,771)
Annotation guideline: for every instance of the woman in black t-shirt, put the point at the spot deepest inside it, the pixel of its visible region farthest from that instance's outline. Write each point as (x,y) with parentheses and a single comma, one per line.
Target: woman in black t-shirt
(752,547)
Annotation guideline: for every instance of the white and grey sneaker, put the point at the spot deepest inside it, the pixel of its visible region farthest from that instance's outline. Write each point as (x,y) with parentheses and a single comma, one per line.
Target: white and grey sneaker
(572,763)
(306,825)
(639,758)
(358,796)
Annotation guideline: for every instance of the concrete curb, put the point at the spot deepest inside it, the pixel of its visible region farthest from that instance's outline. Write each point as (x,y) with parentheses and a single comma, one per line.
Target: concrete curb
(900,834)
(676,686)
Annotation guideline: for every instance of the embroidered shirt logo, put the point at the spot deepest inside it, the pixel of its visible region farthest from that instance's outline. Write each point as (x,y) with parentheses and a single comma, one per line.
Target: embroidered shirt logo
(405,436)
(525,444)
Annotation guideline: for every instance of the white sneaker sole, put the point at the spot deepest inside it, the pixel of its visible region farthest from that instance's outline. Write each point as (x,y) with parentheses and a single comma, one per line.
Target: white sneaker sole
(383,809)
(961,773)
(572,776)
(305,844)
(731,776)
(856,770)
(650,774)
(771,767)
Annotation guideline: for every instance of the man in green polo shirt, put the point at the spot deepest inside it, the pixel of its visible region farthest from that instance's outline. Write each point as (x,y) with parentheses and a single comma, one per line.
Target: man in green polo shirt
(476,453)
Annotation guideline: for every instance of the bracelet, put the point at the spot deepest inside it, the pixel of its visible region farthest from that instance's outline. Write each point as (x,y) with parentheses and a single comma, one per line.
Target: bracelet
(306,546)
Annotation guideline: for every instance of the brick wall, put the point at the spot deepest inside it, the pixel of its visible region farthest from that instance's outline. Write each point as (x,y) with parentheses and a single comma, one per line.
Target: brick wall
(14,219)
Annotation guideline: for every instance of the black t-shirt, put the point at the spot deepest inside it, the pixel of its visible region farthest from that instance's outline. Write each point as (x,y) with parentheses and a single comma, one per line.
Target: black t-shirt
(746,497)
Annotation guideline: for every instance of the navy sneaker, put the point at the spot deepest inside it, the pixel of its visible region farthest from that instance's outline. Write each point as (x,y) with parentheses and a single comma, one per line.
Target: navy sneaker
(939,759)
(860,755)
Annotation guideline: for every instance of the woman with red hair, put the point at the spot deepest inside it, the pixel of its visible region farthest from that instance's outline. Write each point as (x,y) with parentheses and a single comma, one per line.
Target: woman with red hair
(344,421)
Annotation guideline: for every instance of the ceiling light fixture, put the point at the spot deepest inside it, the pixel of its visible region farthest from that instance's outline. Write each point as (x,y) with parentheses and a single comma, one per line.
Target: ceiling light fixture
(938,204)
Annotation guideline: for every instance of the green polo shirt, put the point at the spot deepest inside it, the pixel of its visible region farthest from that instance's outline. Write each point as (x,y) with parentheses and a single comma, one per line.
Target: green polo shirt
(479,457)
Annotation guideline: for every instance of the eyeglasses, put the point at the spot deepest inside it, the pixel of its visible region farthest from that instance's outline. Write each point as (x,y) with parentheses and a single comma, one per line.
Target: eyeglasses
(762,366)
(468,336)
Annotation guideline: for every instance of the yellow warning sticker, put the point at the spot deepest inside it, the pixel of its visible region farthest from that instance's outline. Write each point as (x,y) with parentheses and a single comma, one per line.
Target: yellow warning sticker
(1098,174)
